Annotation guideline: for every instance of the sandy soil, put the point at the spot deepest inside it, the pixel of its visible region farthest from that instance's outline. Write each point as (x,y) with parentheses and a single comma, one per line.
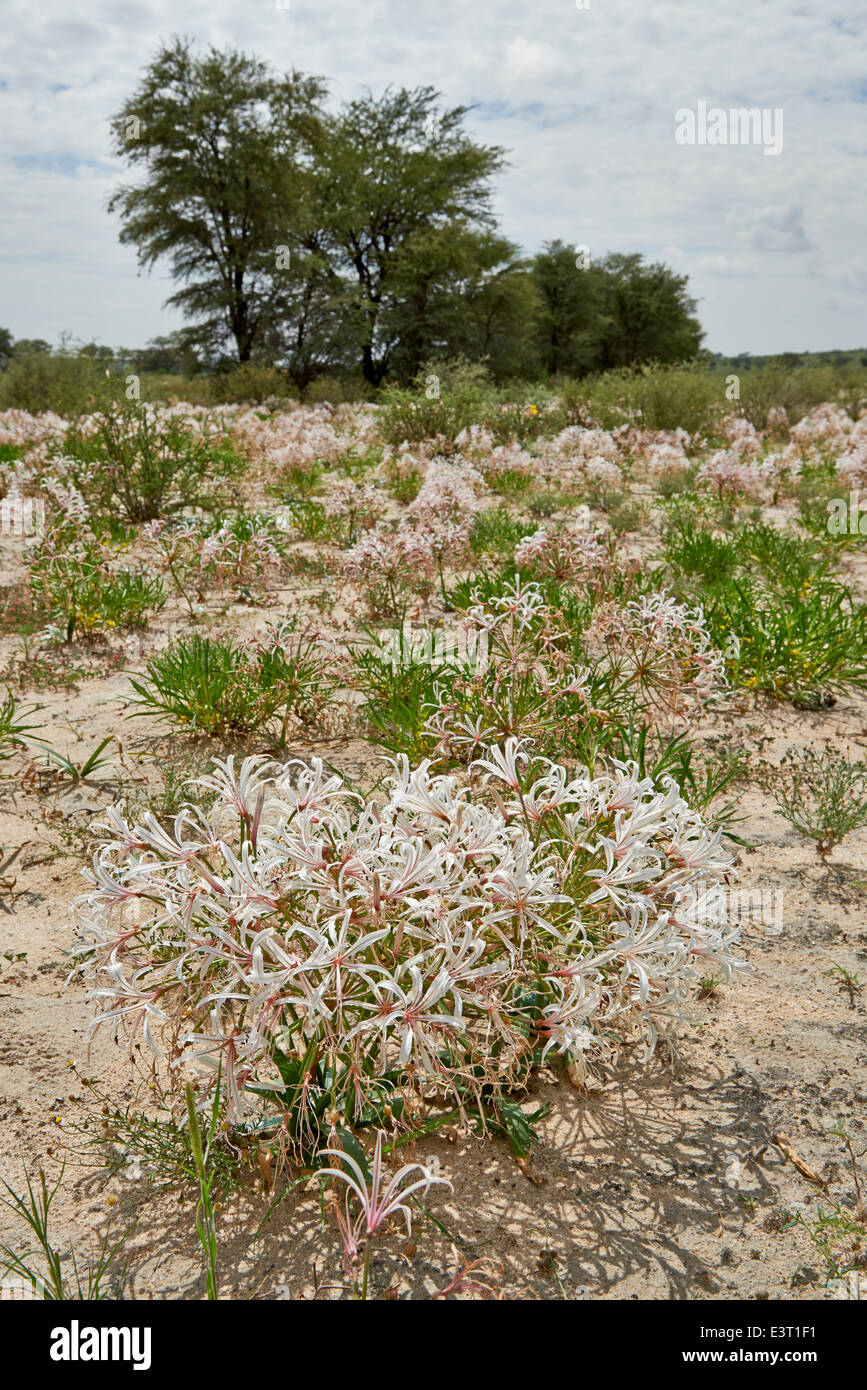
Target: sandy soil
(662,1182)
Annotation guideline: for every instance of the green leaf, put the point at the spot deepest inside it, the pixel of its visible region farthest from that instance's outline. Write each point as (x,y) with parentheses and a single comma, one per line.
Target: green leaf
(518,1126)
(351,1146)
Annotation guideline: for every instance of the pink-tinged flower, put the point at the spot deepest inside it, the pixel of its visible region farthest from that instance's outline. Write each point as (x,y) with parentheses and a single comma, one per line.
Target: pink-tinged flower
(519,890)
(566,554)
(732,475)
(480,1277)
(412,1015)
(388,940)
(378,1204)
(502,764)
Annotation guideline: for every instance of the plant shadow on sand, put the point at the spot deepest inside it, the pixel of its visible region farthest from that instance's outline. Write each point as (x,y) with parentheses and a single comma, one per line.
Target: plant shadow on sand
(636,1189)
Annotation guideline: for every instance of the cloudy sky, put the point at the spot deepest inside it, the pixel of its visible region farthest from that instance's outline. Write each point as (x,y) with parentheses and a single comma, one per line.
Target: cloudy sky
(584,98)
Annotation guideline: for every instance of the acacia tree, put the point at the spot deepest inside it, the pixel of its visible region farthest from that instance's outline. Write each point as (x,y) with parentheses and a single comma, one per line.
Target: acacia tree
(360,239)
(616,312)
(457,291)
(570,318)
(393,171)
(225,149)
(647,314)
(307,333)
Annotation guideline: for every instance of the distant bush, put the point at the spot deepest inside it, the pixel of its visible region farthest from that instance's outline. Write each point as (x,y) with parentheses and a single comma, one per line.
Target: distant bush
(693,396)
(447,397)
(136,464)
(251,381)
(61,382)
(168,386)
(796,389)
(443,399)
(338,390)
(656,397)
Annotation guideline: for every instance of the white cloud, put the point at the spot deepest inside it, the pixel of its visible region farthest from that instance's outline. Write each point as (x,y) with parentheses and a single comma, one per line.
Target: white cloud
(772,228)
(584,99)
(850,275)
(725,265)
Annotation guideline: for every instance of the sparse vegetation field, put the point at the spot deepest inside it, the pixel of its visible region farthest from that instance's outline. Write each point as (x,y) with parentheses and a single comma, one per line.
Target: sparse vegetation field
(433,842)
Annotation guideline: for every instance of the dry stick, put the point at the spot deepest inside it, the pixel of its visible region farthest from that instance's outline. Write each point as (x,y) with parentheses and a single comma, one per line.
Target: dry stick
(784,1143)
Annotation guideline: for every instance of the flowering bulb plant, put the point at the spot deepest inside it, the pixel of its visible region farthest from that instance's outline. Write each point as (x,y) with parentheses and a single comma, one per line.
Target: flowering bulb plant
(443,512)
(339,962)
(244,550)
(296,440)
(402,472)
(508,467)
(389,564)
(178,547)
(376,1202)
(732,476)
(661,650)
(567,553)
(545,679)
(357,505)
(524,685)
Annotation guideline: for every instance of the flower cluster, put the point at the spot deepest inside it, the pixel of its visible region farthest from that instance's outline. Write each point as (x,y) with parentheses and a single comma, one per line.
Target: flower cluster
(828,426)
(743,437)
(406,463)
(443,512)
(475,442)
(535,677)
(388,563)
(732,476)
(244,551)
(662,458)
(345,960)
(569,553)
(298,437)
(661,650)
(851,466)
(358,503)
(580,445)
(507,461)
(23,430)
